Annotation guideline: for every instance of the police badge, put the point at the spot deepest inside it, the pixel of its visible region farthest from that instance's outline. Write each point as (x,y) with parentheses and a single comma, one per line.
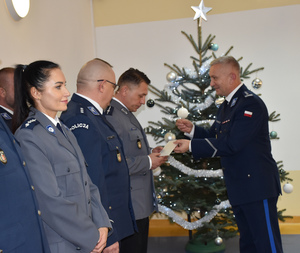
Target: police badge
(3,158)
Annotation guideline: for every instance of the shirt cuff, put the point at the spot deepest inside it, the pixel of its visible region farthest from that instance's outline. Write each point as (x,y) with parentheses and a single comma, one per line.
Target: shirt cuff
(190,134)
(150,162)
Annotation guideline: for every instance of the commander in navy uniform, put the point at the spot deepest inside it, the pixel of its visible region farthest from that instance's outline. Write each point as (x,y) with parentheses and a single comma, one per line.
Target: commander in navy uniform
(130,96)
(21,228)
(240,136)
(7,94)
(102,147)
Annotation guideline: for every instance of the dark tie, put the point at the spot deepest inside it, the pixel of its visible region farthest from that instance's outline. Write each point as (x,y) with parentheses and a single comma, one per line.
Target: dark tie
(59,128)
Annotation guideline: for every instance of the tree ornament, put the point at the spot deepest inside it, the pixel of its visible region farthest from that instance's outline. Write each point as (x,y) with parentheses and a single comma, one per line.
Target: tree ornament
(169,136)
(218,241)
(273,135)
(218,201)
(213,47)
(182,113)
(201,11)
(219,101)
(171,77)
(150,102)
(288,188)
(256,83)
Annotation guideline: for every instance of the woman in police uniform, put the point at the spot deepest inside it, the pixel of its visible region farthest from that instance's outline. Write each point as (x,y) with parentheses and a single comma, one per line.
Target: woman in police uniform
(72,214)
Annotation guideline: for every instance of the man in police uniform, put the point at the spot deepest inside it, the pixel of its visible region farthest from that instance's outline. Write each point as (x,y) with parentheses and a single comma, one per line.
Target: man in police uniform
(102,148)
(240,136)
(20,221)
(131,95)
(7,94)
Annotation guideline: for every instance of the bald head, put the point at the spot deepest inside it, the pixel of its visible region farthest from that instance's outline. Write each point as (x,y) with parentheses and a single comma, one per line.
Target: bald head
(7,87)
(89,84)
(92,71)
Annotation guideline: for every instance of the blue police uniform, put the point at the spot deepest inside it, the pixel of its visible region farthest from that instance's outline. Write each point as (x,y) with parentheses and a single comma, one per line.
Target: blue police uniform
(240,136)
(7,116)
(107,167)
(20,222)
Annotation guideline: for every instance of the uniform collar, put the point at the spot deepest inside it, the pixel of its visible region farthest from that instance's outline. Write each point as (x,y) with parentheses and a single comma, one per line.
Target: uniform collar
(93,102)
(54,121)
(117,100)
(10,111)
(229,97)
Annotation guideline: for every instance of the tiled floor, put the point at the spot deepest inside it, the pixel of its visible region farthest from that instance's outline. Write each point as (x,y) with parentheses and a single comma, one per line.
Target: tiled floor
(291,244)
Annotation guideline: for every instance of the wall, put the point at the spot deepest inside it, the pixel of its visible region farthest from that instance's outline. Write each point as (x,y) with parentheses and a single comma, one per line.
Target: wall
(266,37)
(56,30)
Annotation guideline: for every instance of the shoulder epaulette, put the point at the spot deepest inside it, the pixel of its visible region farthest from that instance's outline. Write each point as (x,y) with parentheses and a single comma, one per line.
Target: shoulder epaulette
(30,123)
(247,94)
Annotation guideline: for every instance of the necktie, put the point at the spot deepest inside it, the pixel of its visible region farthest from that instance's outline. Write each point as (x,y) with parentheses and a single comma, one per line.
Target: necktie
(59,128)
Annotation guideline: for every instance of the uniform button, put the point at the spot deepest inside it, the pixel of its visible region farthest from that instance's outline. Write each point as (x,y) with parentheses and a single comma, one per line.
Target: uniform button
(13,142)
(145,174)
(85,183)
(32,187)
(109,207)
(220,132)
(89,201)
(249,175)
(1,251)
(39,212)
(24,163)
(69,170)
(78,248)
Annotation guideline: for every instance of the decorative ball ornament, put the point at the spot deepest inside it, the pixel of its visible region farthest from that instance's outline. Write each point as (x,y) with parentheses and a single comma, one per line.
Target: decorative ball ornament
(218,201)
(218,241)
(171,76)
(273,134)
(219,101)
(256,83)
(182,113)
(169,136)
(213,47)
(288,188)
(150,102)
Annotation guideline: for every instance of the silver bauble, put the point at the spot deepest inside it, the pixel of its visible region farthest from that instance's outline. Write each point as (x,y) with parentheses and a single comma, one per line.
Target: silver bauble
(218,241)
(288,188)
(169,136)
(171,76)
(256,83)
(219,101)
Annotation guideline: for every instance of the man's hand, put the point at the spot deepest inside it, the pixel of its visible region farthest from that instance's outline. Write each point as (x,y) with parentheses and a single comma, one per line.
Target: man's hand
(102,240)
(157,149)
(114,248)
(182,146)
(184,125)
(157,160)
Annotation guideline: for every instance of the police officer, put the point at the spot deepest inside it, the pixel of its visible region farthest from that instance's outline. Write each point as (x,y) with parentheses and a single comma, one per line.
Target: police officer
(240,136)
(101,146)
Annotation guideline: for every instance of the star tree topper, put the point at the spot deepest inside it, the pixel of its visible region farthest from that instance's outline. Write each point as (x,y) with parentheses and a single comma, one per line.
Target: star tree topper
(201,11)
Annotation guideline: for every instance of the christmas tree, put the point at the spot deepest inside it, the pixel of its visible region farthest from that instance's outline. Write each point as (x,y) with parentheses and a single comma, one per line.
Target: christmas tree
(184,185)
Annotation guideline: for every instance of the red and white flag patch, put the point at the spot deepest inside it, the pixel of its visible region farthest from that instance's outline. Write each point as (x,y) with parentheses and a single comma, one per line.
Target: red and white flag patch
(248,114)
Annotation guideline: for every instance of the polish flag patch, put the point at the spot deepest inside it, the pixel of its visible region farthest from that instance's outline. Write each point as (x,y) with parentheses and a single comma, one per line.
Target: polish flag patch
(248,114)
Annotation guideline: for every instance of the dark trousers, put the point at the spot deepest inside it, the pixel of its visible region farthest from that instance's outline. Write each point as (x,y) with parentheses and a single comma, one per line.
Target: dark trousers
(138,242)
(258,226)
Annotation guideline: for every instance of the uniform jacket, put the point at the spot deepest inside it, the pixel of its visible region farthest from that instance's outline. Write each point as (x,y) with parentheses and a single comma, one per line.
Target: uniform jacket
(141,177)
(240,136)
(7,116)
(107,167)
(20,224)
(69,201)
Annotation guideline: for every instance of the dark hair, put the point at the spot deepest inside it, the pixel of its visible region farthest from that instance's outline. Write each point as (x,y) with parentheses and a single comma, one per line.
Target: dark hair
(26,77)
(133,77)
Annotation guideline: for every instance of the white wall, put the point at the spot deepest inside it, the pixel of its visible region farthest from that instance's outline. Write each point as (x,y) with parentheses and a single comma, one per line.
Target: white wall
(56,30)
(267,37)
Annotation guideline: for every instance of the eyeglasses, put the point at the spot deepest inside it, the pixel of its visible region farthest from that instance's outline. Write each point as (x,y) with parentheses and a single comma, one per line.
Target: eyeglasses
(116,86)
